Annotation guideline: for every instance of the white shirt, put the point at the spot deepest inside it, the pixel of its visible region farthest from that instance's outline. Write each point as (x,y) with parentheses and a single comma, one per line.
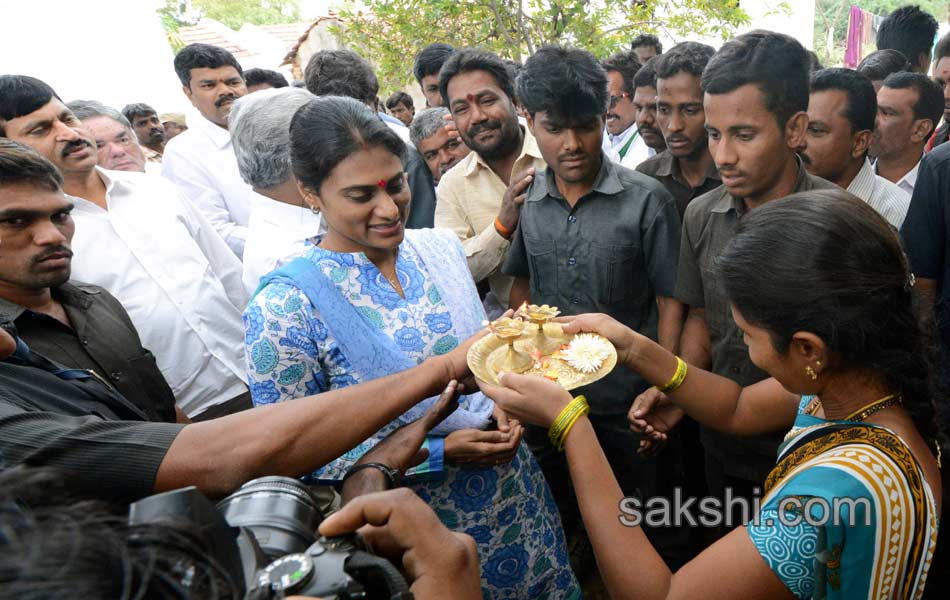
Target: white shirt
(636,153)
(887,198)
(201,162)
(909,180)
(178,280)
(276,231)
(401,130)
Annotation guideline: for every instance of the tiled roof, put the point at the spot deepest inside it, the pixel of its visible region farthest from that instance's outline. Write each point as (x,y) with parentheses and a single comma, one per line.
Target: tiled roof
(287,32)
(203,34)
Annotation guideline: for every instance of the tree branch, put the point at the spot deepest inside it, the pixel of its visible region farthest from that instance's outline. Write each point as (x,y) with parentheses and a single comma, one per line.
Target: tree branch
(516,47)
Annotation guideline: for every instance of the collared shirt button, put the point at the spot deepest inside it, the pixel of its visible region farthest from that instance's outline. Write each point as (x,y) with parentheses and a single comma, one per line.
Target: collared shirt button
(575,300)
(85,341)
(572,261)
(571,219)
(735,370)
(115,375)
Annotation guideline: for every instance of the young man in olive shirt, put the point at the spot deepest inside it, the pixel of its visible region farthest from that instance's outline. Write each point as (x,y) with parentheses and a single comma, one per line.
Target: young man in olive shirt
(755,102)
(685,168)
(596,237)
(77,325)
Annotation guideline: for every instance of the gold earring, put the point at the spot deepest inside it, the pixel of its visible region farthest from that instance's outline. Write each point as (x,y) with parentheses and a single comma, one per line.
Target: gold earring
(811,373)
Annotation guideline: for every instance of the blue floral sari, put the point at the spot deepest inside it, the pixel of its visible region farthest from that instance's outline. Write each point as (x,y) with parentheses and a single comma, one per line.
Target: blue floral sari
(337,321)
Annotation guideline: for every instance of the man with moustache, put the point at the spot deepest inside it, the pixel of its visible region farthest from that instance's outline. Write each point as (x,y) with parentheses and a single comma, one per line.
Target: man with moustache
(909,107)
(116,143)
(624,143)
(73,323)
(201,161)
(148,128)
(841,111)
(685,168)
(755,100)
(440,150)
(139,238)
(596,237)
(481,197)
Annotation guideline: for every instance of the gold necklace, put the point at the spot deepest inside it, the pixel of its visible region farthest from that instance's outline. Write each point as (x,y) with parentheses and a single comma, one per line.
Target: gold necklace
(866,411)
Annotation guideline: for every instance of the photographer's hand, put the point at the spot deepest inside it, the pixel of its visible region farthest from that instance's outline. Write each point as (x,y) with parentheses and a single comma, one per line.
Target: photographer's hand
(399,526)
(400,449)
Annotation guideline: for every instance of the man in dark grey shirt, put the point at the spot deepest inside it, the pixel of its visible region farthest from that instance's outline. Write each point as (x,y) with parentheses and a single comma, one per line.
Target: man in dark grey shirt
(685,168)
(756,95)
(595,237)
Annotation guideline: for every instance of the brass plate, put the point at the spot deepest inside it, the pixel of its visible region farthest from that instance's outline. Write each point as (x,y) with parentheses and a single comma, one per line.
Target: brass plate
(489,350)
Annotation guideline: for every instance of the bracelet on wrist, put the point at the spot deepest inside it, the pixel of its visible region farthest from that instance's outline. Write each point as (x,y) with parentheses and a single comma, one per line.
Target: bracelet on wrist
(678,377)
(562,425)
(392,475)
(502,230)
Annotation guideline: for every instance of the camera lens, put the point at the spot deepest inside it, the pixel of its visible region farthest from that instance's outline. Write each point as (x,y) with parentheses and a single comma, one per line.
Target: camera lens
(280,511)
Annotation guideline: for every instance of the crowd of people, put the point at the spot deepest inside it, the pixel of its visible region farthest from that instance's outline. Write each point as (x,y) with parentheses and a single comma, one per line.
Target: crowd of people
(290,283)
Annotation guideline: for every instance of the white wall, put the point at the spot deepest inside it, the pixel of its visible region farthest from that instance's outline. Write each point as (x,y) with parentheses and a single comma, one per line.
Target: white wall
(114,51)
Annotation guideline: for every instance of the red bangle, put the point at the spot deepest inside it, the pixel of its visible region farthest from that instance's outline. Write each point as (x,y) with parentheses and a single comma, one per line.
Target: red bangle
(502,230)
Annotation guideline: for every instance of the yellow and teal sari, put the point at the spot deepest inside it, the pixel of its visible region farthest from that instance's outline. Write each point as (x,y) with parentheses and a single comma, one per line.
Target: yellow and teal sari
(847,513)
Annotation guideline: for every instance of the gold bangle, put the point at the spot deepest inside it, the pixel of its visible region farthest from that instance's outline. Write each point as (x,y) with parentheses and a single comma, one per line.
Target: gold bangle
(677,380)
(577,408)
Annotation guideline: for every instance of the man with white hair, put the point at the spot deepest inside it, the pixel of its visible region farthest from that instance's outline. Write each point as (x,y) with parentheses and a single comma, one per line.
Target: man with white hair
(116,143)
(440,150)
(281,221)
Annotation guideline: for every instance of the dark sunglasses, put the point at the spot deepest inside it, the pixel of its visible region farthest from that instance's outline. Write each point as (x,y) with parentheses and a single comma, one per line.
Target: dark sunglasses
(615,99)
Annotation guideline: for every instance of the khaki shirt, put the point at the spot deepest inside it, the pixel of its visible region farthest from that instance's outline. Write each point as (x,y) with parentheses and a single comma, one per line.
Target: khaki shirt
(469,198)
(709,225)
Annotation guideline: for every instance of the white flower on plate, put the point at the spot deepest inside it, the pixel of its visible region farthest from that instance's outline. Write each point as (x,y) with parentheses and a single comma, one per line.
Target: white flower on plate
(586,352)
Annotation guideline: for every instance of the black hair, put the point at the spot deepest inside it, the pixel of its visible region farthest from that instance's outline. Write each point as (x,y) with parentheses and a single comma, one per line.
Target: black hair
(20,164)
(774,62)
(430,59)
(20,95)
(861,108)
(341,73)
(139,109)
(814,63)
(567,83)
(398,97)
(257,76)
(942,49)
(827,263)
(930,103)
(909,30)
(471,59)
(646,76)
(328,129)
(647,39)
(203,56)
(57,542)
(878,65)
(625,63)
(685,57)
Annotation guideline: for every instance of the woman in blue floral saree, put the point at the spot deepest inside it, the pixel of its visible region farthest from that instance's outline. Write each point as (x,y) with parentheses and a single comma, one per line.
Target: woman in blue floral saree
(369,299)
(819,285)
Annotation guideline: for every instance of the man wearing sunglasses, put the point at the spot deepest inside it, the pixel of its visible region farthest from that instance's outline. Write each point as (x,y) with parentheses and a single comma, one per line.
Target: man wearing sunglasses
(630,140)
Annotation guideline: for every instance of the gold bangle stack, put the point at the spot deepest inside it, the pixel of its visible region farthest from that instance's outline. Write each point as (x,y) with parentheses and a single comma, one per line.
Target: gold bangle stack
(565,421)
(673,384)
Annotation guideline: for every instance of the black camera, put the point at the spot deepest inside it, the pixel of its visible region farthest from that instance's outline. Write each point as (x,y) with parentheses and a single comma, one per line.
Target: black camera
(264,537)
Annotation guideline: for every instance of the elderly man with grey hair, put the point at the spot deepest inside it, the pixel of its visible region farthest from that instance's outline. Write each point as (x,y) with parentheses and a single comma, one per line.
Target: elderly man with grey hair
(117,146)
(281,222)
(440,150)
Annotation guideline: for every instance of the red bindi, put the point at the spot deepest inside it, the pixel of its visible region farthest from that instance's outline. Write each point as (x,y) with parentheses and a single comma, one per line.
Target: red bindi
(470,98)
(381,183)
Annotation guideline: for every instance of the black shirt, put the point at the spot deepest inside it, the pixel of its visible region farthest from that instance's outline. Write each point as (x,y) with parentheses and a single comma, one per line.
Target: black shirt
(79,425)
(926,232)
(614,252)
(102,339)
(665,168)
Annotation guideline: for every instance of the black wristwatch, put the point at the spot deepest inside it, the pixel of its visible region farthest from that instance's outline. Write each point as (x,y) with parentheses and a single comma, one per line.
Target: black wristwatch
(392,475)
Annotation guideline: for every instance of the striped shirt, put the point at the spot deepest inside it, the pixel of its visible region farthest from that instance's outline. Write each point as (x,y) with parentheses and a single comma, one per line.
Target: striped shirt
(889,200)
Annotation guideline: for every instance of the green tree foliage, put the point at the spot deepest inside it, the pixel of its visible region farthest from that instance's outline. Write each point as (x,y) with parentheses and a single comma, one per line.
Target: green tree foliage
(390,32)
(833,15)
(233,13)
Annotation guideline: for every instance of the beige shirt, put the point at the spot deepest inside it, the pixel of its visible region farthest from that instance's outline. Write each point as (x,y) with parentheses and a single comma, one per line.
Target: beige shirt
(469,198)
